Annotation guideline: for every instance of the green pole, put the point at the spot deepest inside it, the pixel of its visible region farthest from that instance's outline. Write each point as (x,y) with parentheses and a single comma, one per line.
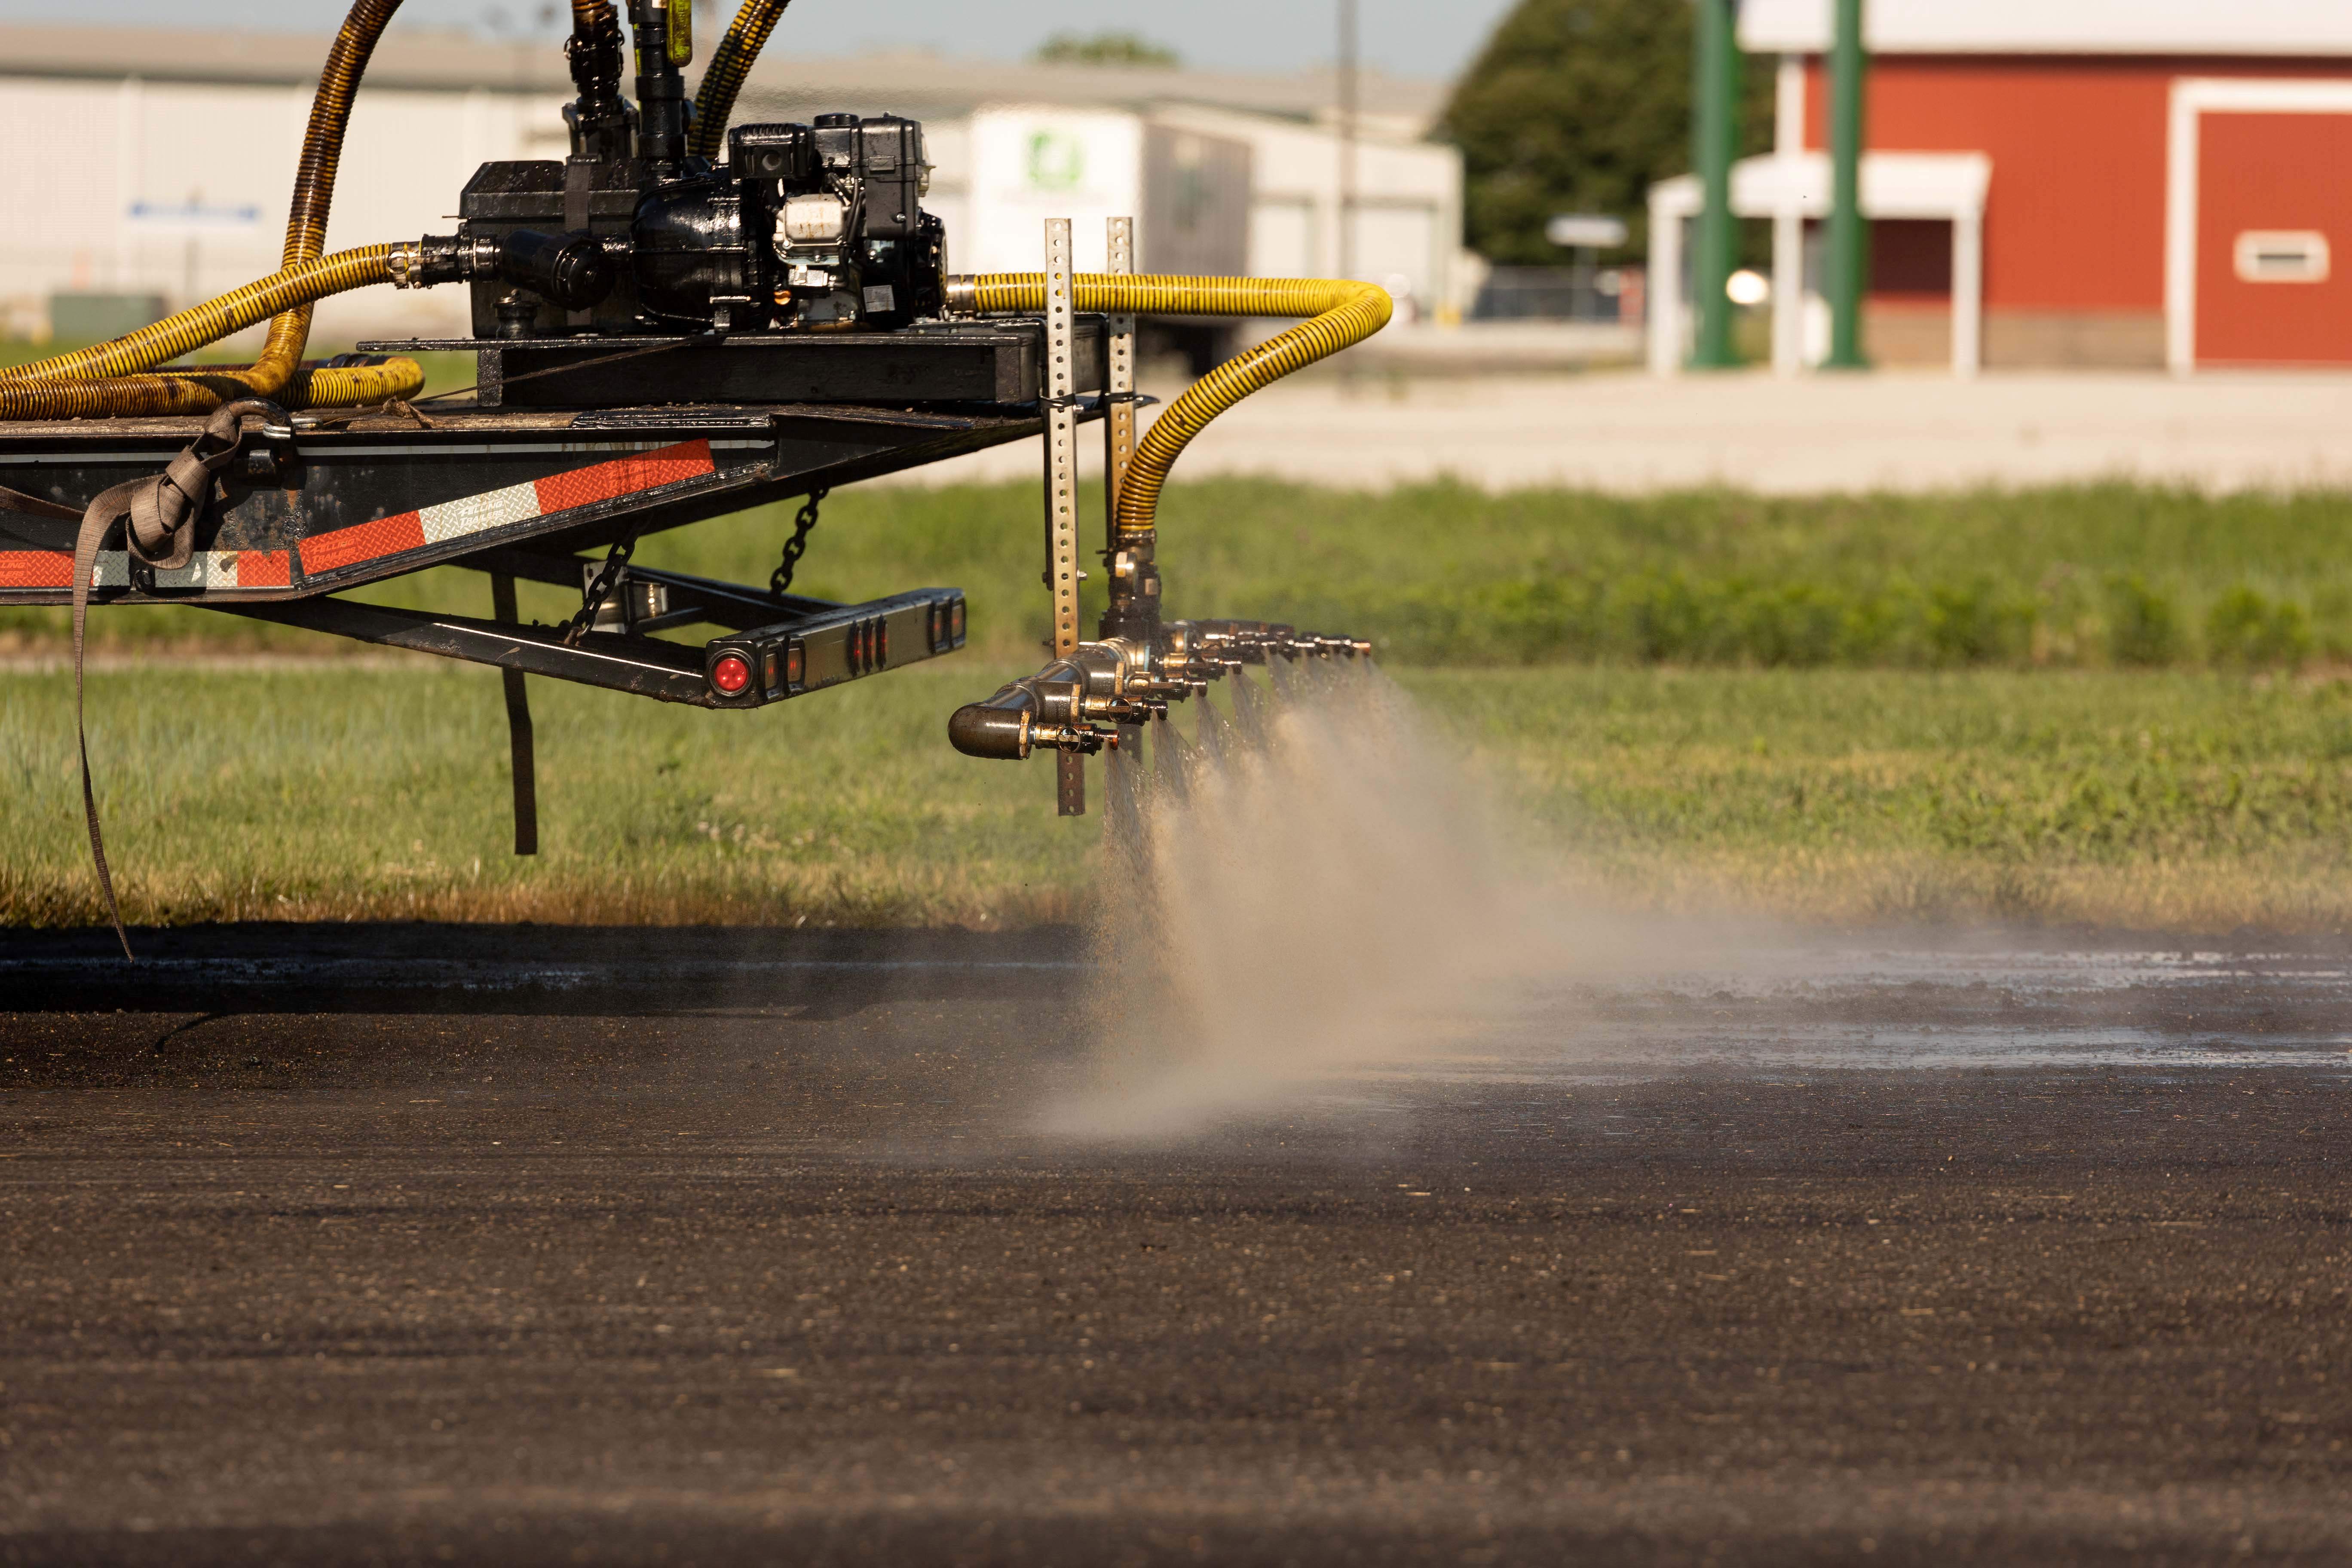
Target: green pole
(1848,262)
(1715,141)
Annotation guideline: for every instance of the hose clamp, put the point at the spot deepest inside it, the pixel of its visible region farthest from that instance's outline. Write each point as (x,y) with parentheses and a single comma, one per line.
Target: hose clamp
(961,297)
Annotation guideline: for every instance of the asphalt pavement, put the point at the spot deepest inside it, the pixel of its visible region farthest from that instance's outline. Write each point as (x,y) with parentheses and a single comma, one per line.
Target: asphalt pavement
(352,1245)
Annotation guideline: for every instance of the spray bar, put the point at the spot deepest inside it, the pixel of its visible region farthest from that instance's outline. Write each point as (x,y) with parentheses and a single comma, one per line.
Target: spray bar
(1075,705)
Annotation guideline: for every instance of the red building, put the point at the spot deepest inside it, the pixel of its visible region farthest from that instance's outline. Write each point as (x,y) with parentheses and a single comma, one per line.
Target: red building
(2170,181)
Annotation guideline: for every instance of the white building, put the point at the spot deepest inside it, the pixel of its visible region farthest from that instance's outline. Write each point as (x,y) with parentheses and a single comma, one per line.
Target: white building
(155,162)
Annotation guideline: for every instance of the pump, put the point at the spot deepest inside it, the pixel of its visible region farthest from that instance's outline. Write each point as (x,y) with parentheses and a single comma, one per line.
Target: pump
(804,228)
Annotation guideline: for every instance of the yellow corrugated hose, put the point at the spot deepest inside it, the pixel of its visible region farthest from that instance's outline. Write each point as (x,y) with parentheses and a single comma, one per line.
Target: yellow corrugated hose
(278,373)
(106,379)
(1343,313)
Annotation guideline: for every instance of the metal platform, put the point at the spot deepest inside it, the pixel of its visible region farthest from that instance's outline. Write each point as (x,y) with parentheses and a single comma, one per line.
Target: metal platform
(997,362)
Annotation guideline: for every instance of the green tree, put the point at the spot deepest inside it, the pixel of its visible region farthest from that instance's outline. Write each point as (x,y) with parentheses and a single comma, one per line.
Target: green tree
(1579,106)
(1105,49)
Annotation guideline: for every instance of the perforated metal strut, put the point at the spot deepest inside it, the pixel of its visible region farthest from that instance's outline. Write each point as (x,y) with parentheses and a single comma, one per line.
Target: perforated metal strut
(1062,574)
(1133,609)
(1120,421)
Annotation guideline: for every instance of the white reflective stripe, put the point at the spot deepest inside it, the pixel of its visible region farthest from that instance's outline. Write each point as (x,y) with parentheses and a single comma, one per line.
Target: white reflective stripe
(455,518)
(205,569)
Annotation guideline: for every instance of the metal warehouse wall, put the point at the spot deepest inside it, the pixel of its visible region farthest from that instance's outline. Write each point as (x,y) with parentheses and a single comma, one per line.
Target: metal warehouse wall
(98,179)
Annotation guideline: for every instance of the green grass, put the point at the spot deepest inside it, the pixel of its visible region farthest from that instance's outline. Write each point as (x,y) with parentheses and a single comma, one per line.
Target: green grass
(2101,577)
(2184,800)
(2180,800)
(371,792)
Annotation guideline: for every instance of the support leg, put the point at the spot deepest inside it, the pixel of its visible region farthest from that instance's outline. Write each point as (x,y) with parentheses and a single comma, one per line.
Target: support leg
(518,737)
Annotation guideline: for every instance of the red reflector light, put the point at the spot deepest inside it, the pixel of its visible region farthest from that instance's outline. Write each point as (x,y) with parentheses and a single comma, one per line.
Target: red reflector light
(769,668)
(881,643)
(731,674)
(795,663)
(955,622)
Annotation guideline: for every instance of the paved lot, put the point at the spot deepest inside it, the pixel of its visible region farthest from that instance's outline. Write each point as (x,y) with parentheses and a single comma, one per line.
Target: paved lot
(354,1245)
(1628,432)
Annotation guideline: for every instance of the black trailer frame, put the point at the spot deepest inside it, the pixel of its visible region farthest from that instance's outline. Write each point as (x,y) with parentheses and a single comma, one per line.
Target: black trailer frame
(328,502)
(321,503)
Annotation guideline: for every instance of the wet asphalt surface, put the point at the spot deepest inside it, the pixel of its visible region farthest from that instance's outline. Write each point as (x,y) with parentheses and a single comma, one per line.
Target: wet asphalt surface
(376,1245)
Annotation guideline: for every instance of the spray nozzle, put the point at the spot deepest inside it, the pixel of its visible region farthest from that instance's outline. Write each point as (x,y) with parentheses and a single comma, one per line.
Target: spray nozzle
(1060,706)
(1219,645)
(1125,680)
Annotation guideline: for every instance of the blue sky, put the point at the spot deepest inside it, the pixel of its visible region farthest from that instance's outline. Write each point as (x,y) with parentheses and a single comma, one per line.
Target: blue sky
(1415,37)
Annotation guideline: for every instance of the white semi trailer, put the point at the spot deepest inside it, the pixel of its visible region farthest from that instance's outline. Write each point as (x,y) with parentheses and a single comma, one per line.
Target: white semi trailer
(1218,191)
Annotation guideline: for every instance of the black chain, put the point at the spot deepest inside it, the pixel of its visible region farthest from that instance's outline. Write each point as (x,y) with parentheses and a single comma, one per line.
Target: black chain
(608,577)
(780,583)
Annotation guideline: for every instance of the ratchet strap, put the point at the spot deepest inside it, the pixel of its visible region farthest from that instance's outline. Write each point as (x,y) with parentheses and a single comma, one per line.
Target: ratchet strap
(17,501)
(161,515)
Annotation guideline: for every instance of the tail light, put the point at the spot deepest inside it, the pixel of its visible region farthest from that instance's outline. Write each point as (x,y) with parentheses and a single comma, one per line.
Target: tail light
(729,674)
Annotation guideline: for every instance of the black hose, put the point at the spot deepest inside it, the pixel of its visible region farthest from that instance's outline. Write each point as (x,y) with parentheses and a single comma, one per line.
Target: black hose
(714,103)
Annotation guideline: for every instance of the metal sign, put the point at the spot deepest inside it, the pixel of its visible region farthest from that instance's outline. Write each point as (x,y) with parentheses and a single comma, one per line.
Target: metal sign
(1596,231)
(194,218)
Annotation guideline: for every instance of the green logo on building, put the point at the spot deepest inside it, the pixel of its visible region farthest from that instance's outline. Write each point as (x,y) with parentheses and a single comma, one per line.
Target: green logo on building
(1057,162)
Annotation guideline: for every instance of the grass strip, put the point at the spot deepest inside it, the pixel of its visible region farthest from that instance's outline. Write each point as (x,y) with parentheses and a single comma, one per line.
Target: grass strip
(2182,801)
(2097,576)
(2179,800)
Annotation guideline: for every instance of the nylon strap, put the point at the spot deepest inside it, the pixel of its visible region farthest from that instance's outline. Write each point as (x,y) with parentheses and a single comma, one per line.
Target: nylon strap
(162,515)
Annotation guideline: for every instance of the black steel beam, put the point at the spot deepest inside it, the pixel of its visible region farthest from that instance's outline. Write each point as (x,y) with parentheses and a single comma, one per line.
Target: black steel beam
(839,643)
(297,487)
(815,452)
(643,667)
(995,362)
